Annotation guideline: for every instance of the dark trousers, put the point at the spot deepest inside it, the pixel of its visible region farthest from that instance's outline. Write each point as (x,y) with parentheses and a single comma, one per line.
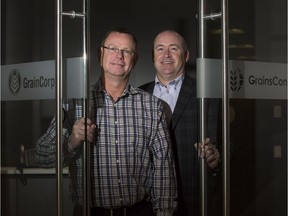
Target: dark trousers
(142,208)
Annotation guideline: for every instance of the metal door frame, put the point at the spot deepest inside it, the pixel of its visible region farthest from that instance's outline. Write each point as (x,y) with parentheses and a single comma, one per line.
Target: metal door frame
(202,18)
(84,15)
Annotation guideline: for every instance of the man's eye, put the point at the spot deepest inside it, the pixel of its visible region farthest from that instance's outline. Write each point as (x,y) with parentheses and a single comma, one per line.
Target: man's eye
(173,49)
(114,49)
(128,52)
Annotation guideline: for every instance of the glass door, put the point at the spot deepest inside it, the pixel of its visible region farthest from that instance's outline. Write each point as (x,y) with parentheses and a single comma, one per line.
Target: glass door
(257,90)
(258,55)
(28,101)
(257,96)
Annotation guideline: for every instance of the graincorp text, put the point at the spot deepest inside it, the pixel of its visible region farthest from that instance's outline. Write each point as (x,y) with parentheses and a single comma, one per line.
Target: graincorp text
(41,82)
(275,81)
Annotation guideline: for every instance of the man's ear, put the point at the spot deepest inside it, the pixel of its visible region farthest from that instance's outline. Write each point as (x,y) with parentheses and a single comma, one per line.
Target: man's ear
(99,54)
(135,59)
(187,54)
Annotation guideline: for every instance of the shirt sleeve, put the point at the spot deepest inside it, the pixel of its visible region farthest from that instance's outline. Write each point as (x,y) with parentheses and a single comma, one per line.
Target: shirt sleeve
(164,194)
(46,149)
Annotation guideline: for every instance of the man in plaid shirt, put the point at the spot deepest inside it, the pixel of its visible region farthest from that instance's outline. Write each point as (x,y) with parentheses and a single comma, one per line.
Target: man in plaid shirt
(132,165)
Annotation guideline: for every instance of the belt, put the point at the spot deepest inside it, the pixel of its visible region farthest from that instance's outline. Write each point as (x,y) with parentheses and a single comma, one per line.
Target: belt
(123,211)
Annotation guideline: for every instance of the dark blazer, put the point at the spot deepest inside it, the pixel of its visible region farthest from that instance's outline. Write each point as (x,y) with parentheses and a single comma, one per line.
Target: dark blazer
(185,132)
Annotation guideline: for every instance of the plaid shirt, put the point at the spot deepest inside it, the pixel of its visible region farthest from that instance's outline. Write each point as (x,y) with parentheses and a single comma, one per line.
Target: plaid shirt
(131,157)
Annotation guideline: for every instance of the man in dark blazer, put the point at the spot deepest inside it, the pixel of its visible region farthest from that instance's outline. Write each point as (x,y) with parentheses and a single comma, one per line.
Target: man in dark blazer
(175,86)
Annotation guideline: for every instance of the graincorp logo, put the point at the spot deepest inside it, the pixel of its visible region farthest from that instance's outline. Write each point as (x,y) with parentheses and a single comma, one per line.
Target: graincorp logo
(14,82)
(267,81)
(29,84)
(236,80)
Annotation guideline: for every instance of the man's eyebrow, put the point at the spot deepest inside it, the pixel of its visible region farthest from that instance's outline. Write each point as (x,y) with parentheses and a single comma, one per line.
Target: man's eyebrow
(159,45)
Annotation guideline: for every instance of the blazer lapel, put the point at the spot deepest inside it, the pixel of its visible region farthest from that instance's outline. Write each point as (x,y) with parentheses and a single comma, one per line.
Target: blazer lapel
(188,88)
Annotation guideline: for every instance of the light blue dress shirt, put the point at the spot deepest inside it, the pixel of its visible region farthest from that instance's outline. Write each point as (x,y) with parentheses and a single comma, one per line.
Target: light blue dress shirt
(170,92)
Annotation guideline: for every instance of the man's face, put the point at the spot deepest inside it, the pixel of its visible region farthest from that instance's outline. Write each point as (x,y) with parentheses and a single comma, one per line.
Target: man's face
(170,55)
(117,55)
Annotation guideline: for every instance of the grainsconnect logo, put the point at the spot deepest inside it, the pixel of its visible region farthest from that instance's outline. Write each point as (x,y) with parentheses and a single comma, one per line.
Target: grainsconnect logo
(236,79)
(14,82)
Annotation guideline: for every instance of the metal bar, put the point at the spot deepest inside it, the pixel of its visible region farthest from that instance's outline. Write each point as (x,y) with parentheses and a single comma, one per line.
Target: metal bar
(225,109)
(73,14)
(201,29)
(59,95)
(59,74)
(212,16)
(225,105)
(86,144)
(202,122)
(203,164)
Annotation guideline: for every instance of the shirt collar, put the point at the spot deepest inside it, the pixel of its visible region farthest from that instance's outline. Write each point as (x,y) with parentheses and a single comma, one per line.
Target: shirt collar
(99,87)
(175,82)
